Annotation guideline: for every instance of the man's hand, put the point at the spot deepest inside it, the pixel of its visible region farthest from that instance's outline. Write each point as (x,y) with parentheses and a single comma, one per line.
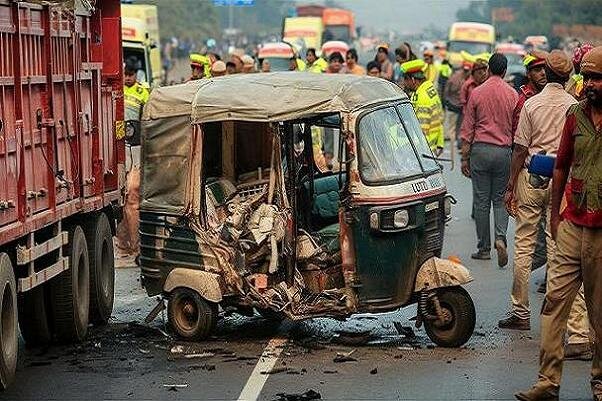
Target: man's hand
(510,202)
(466,167)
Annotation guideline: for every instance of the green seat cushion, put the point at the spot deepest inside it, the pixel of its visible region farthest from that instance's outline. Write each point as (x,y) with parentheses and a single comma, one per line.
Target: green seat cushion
(329,237)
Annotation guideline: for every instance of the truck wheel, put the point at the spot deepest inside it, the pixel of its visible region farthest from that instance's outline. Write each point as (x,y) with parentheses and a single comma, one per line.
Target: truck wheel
(9,346)
(102,269)
(33,317)
(70,292)
(460,320)
(190,316)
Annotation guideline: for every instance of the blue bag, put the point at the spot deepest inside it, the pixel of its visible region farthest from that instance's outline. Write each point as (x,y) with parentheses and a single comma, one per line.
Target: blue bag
(542,165)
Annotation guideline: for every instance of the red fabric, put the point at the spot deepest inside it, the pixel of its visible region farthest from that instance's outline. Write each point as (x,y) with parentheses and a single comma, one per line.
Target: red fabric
(488,114)
(564,160)
(526,91)
(466,90)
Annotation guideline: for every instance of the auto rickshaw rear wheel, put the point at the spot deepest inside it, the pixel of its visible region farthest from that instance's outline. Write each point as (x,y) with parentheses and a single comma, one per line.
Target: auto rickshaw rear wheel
(458,320)
(190,316)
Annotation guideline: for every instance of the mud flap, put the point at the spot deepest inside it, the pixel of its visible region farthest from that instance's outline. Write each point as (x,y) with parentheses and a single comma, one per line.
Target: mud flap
(437,273)
(207,285)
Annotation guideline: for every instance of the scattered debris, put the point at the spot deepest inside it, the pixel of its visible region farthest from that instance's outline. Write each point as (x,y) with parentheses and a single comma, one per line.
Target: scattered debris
(330,372)
(274,371)
(201,355)
(479,333)
(406,348)
(405,331)
(344,357)
(143,351)
(174,386)
(307,396)
(374,371)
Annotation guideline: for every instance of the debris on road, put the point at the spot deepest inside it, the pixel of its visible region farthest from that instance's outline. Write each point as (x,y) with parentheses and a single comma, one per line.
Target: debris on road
(174,386)
(405,331)
(355,338)
(374,371)
(307,396)
(274,371)
(201,355)
(344,357)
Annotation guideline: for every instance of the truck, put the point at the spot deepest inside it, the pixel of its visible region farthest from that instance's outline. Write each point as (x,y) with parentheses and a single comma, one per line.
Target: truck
(472,37)
(61,170)
(140,34)
(303,32)
(338,23)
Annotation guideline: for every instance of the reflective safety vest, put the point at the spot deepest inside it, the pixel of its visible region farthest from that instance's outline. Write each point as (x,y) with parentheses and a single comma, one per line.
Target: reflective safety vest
(431,72)
(319,66)
(429,111)
(586,171)
(301,66)
(135,98)
(575,86)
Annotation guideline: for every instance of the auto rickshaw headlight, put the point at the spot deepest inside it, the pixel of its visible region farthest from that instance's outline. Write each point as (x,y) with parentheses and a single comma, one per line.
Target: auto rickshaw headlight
(374,221)
(401,219)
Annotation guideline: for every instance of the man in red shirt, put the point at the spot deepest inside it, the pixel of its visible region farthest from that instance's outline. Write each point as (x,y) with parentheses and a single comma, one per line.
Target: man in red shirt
(478,75)
(486,139)
(578,235)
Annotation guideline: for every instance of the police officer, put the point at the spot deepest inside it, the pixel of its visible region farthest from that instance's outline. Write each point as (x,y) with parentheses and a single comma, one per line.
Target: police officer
(578,235)
(426,102)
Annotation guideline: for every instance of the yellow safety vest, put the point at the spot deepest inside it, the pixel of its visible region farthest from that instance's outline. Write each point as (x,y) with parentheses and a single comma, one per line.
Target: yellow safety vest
(135,98)
(429,111)
(319,66)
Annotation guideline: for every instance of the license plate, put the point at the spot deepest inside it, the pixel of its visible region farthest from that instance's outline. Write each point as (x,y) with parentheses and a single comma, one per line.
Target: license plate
(431,206)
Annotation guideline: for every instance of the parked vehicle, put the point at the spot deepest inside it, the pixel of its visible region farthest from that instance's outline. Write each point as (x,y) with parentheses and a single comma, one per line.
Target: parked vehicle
(140,34)
(471,37)
(278,54)
(61,103)
(304,32)
(515,72)
(339,24)
(278,225)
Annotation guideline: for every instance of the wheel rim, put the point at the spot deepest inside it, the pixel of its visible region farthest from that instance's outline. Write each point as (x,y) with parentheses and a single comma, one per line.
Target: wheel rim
(187,314)
(449,319)
(8,332)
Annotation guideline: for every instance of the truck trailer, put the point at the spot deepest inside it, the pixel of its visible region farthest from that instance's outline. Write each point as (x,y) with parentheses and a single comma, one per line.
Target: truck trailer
(61,169)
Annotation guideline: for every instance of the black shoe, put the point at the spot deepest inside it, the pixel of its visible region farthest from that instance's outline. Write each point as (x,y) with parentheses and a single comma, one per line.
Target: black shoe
(538,393)
(542,288)
(579,352)
(502,252)
(481,255)
(514,323)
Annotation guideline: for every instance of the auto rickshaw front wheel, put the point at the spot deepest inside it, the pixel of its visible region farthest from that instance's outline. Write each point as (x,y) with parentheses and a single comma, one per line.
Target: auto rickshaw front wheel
(190,316)
(457,324)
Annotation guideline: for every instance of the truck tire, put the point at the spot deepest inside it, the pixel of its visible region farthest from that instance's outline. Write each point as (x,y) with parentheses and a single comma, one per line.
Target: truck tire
(33,317)
(9,336)
(102,269)
(70,292)
(457,303)
(190,316)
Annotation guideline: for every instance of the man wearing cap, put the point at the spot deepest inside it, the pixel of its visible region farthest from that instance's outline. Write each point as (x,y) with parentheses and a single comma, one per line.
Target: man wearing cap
(575,84)
(218,69)
(528,194)
(430,72)
(536,79)
(199,66)
(382,57)
(486,139)
(451,96)
(578,234)
(426,102)
(248,64)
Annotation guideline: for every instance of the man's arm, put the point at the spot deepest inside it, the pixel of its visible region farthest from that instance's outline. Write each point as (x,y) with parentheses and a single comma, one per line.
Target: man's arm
(467,133)
(564,159)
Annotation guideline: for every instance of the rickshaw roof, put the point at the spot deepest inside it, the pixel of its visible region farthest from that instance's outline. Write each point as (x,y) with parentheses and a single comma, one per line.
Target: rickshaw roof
(284,96)
(171,101)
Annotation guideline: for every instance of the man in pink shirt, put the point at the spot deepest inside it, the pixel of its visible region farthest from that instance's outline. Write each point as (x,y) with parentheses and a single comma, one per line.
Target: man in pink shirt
(486,139)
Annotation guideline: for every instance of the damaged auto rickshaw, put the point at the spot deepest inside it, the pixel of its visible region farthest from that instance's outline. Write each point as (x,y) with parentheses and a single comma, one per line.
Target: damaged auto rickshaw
(299,196)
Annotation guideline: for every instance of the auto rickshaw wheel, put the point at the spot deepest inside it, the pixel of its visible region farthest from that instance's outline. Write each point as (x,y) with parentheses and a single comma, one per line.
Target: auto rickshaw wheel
(457,324)
(190,316)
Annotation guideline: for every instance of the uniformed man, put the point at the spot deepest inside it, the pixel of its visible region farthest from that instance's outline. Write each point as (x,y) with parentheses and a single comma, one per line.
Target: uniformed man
(426,102)
(575,84)
(200,66)
(578,234)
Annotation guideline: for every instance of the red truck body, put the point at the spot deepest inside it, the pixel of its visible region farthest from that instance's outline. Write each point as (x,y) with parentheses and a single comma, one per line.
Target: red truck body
(60,102)
(61,169)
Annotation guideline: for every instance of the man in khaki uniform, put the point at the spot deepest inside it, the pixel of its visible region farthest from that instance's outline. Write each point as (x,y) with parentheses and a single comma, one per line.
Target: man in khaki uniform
(578,235)
(528,196)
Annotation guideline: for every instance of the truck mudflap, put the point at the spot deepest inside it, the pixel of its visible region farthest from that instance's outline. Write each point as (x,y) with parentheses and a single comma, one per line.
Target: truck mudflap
(438,273)
(207,285)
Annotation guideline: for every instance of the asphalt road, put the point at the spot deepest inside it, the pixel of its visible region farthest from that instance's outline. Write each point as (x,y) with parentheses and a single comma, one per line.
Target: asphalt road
(128,361)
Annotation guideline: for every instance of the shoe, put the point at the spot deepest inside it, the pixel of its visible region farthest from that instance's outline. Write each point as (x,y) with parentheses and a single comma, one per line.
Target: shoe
(538,393)
(481,255)
(514,323)
(578,351)
(502,252)
(597,391)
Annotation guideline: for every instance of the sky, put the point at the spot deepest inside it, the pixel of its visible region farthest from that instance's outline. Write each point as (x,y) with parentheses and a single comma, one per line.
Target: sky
(404,15)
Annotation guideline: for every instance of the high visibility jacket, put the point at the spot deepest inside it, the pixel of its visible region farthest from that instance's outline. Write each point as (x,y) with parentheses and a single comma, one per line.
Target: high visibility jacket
(431,72)
(575,86)
(301,66)
(135,98)
(429,111)
(318,66)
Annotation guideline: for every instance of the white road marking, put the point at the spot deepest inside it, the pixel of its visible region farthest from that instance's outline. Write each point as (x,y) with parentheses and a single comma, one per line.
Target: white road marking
(266,362)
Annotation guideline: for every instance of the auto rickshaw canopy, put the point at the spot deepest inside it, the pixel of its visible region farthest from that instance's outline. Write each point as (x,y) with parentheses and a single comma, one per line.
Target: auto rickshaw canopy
(286,96)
